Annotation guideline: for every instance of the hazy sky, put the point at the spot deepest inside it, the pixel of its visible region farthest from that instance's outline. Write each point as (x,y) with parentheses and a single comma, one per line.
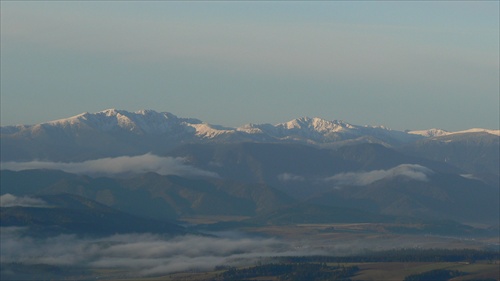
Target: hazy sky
(406,65)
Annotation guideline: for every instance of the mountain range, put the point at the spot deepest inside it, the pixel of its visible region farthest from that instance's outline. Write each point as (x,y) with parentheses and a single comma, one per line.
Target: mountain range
(118,132)
(157,166)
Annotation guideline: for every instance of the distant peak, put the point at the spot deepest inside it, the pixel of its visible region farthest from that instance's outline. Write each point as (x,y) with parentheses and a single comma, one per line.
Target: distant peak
(145,112)
(110,111)
(430,132)
(315,122)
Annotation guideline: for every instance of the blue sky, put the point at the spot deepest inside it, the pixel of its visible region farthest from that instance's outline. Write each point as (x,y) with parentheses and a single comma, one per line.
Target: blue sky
(406,65)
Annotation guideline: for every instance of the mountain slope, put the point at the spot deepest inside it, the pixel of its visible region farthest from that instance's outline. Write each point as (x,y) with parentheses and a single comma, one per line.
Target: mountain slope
(66,213)
(151,195)
(294,168)
(89,136)
(441,196)
(476,153)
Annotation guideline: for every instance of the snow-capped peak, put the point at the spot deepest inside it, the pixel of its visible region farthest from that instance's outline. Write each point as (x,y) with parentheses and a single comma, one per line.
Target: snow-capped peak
(142,121)
(302,130)
(430,133)
(145,112)
(314,124)
(110,112)
(206,130)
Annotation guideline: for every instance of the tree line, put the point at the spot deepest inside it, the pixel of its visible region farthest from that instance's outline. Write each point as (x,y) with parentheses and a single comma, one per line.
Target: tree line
(292,272)
(405,255)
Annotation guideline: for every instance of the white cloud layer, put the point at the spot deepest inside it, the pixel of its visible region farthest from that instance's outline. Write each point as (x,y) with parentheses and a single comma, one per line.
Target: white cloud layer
(146,254)
(117,166)
(9,200)
(154,255)
(412,171)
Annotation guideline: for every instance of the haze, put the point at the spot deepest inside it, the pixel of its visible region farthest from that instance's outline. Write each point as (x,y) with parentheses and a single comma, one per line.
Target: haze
(406,65)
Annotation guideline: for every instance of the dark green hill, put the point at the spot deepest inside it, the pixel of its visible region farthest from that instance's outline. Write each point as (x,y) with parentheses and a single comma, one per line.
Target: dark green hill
(370,156)
(67,213)
(262,162)
(258,179)
(151,195)
(444,196)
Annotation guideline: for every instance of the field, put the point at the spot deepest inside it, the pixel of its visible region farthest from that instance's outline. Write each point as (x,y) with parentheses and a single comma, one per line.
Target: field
(368,236)
(369,271)
(398,271)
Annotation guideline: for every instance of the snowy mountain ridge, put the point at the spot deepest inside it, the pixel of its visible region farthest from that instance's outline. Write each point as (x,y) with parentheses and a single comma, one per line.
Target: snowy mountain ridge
(140,122)
(438,132)
(304,129)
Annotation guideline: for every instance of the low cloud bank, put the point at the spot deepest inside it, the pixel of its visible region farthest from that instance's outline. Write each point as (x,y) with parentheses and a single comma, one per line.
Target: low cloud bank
(146,254)
(141,255)
(9,200)
(118,165)
(290,177)
(411,171)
